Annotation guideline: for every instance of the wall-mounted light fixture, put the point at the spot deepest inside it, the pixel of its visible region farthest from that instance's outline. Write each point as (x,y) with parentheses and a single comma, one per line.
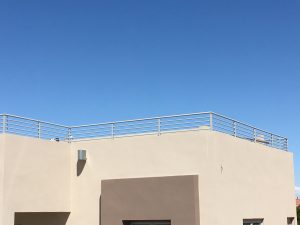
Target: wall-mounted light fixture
(82,155)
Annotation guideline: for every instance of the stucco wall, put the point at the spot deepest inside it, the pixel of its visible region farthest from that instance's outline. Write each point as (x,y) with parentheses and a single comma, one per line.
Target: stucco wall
(237,179)
(1,176)
(36,176)
(245,180)
(173,198)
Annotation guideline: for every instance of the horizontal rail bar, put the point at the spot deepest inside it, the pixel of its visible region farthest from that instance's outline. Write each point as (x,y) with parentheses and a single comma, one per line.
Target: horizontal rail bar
(150,118)
(245,124)
(29,119)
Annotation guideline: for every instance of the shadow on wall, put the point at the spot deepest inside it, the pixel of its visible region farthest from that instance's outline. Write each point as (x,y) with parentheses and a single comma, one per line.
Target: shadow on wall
(38,218)
(80,166)
(100,210)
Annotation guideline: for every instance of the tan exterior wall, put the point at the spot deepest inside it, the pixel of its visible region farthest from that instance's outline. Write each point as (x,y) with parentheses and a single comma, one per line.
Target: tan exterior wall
(237,178)
(36,176)
(246,180)
(1,177)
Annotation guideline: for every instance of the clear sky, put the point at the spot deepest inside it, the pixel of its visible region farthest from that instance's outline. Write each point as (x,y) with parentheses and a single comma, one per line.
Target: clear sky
(77,62)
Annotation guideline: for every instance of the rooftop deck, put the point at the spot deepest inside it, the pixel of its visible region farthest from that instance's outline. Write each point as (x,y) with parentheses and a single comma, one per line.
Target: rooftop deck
(156,125)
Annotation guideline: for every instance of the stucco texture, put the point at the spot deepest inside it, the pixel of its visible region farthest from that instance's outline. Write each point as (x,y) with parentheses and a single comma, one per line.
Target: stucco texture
(237,179)
(174,198)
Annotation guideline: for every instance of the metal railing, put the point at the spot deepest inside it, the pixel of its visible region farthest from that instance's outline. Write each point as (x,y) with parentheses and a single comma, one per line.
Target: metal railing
(32,128)
(155,125)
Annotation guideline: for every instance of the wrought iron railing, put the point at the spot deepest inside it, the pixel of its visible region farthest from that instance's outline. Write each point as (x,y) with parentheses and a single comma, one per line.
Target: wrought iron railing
(155,125)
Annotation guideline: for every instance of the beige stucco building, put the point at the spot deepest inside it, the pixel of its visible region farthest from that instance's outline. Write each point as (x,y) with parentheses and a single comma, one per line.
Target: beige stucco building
(188,169)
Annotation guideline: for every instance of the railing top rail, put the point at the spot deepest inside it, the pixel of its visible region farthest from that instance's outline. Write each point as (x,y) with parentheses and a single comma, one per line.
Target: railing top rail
(34,120)
(142,119)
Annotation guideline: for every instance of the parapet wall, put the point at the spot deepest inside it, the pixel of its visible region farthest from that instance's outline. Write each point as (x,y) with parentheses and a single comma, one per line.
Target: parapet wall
(1,177)
(36,176)
(237,179)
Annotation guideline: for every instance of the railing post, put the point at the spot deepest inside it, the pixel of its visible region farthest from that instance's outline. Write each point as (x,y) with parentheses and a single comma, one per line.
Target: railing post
(211,121)
(158,126)
(286,144)
(271,140)
(4,123)
(69,134)
(39,129)
(254,134)
(113,130)
(234,128)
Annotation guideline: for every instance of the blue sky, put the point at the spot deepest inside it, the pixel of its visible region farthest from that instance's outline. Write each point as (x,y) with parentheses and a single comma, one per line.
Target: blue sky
(75,62)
